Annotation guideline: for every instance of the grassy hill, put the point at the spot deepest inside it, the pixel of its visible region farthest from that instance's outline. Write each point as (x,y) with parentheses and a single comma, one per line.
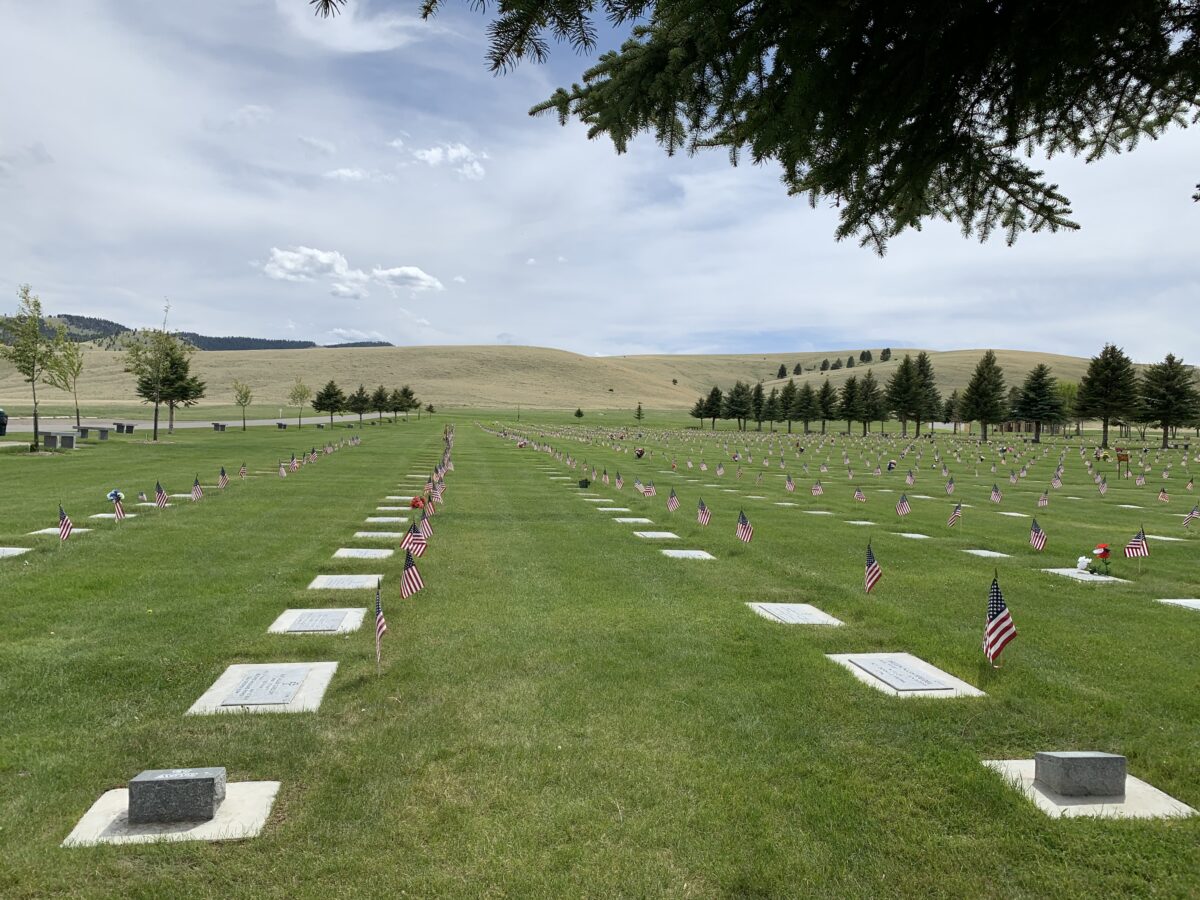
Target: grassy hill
(498,376)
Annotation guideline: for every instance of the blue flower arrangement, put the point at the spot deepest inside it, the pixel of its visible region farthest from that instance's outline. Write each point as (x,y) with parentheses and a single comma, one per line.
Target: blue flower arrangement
(114,495)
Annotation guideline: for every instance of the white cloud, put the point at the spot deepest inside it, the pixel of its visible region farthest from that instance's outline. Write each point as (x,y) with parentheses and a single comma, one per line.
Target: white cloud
(531,261)
(250,115)
(459,279)
(353,30)
(317,145)
(353,175)
(305,264)
(406,277)
(459,157)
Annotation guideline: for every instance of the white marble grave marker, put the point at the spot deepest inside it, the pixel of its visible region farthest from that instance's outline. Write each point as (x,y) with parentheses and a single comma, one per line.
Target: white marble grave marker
(1186,604)
(379,535)
(13,551)
(385,519)
(269,687)
(1080,575)
(903,675)
(111,516)
(344,582)
(318,621)
(632,521)
(687,554)
(987,554)
(362,553)
(657,535)
(794,614)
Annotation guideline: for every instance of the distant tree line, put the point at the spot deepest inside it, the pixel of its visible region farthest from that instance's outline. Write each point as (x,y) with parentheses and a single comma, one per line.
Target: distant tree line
(1164,396)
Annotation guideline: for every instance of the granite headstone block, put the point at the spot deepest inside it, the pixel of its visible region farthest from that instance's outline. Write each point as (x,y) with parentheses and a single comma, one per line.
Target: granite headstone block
(1081,773)
(176,795)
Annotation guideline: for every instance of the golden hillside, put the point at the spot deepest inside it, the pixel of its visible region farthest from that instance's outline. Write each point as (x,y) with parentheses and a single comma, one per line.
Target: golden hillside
(495,376)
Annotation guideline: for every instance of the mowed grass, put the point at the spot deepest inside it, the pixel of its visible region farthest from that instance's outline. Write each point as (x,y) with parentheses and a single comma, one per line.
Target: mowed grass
(564,711)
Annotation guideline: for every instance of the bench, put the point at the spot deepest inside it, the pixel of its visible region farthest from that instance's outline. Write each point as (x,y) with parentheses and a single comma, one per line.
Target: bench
(53,440)
(84,430)
(123,427)
(218,426)
(281,425)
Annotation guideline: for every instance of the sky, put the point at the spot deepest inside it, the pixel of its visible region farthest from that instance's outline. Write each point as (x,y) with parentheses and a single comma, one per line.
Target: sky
(367,178)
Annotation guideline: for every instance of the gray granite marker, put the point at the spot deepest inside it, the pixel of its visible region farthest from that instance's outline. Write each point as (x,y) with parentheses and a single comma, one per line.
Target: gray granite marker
(1080,773)
(176,795)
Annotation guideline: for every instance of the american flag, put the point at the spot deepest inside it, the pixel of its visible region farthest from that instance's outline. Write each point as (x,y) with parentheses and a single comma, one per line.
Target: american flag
(197,491)
(1103,486)
(436,494)
(703,466)
(1012,478)
(745,531)
(414,540)
(789,484)
(604,477)
(118,509)
(312,455)
(223,479)
(999,628)
(955,515)
(902,508)
(160,496)
(720,468)
(859,495)
(909,479)
(429,486)
(817,489)
(1138,546)
(242,472)
(295,463)
(619,482)
(1056,482)
(703,514)
(141,496)
(950,486)
(424,524)
(1037,537)
(650,490)
(638,486)
(1190,484)
(64,524)
(873,572)
(996,495)
(1044,500)
(380,622)
(410,581)
(1162,495)
(1140,480)
(430,508)
(672,502)
(282,470)
(1192,516)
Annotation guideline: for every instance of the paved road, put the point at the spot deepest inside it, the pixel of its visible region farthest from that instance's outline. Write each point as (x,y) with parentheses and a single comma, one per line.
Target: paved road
(58,423)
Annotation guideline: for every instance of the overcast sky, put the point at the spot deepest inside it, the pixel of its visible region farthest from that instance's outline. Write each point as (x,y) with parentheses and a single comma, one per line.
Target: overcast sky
(277,175)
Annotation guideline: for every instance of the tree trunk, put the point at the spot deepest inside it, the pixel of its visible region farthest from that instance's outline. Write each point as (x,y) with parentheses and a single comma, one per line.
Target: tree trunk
(904,428)
(243,418)
(1037,432)
(789,421)
(917,433)
(170,417)
(299,419)
(77,423)
(822,426)
(983,431)
(1164,444)
(864,434)
(33,385)
(1104,432)
(156,405)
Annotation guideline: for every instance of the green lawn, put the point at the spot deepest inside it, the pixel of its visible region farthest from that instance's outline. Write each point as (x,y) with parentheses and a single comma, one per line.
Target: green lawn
(565,712)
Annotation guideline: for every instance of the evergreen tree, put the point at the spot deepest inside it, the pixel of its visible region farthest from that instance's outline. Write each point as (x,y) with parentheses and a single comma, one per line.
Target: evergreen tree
(827,403)
(396,403)
(1108,390)
(797,369)
(950,410)
(25,344)
(329,399)
(806,407)
(179,387)
(637,413)
(848,407)
(1169,397)
(928,402)
(713,405)
(901,392)
(298,397)
(825,365)
(885,354)
(1039,401)
(782,373)
(870,401)
(837,364)
(983,399)
(410,401)
(787,401)
(578,413)
(379,401)
(771,408)
(359,402)
(738,404)
(758,401)
(849,362)
(698,409)
(865,357)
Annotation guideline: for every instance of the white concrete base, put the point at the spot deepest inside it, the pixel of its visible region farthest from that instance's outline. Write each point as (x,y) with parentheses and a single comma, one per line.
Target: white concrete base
(1079,575)
(307,699)
(6,552)
(613,509)
(632,521)
(987,554)
(362,553)
(688,554)
(148,503)
(54,530)
(794,614)
(112,516)
(1013,515)
(391,508)
(1128,506)
(858,522)
(1141,800)
(344,582)
(380,520)
(398,497)
(919,497)
(1186,604)
(379,535)
(939,684)
(657,535)
(784,504)
(817,512)
(911,535)
(596,500)
(352,622)
(242,814)
(1170,540)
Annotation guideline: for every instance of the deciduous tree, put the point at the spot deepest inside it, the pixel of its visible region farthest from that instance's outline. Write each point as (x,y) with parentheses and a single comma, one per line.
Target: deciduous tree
(26,345)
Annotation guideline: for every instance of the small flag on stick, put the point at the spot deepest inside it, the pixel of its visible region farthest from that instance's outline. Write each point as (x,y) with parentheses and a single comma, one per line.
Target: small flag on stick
(999,628)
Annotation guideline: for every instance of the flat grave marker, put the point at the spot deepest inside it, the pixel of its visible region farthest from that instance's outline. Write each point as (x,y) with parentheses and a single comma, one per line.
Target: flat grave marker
(1160,537)
(613,509)
(635,520)
(397,497)
(111,515)
(318,621)
(266,687)
(687,554)
(391,508)
(783,503)
(794,614)
(1129,506)
(1186,604)
(912,535)
(362,553)
(383,519)
(344,582)
(1013,515)
(1091,578)
(657,535)
(6,552)
(903,675)
(379,535)
(858,522)
(817,512)
(54,530)
(987,554)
